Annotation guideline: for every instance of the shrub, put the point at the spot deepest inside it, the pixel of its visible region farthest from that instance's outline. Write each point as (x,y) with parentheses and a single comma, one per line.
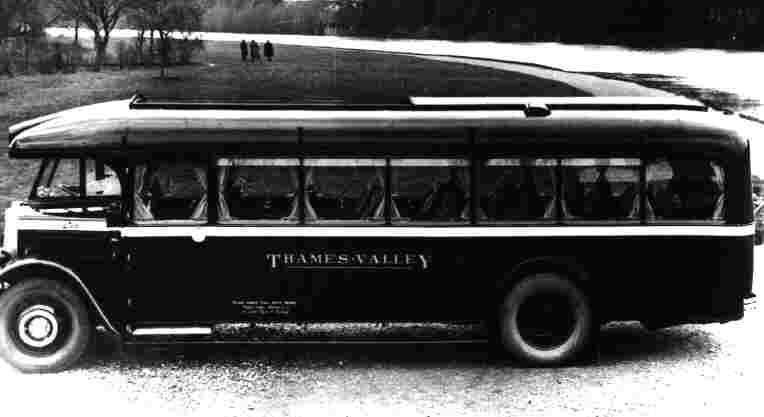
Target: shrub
(185,49)
(40,55)
(430,32)
(6,67)
(52,56)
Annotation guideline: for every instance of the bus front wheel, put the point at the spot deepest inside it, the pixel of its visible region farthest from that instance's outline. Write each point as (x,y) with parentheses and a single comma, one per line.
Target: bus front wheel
(44,326)
(546,319)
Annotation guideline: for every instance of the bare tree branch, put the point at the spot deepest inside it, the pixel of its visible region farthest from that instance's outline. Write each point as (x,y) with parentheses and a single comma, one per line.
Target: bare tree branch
(166,17)
(100,16)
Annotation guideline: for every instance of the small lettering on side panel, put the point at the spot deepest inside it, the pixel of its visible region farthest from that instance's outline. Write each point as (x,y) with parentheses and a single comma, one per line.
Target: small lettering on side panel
(266,307)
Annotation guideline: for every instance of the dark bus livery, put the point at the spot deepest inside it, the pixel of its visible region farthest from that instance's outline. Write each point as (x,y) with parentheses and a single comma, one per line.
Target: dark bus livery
(542,217)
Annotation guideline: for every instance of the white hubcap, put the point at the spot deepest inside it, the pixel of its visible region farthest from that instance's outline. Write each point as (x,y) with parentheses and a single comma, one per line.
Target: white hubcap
(38,326)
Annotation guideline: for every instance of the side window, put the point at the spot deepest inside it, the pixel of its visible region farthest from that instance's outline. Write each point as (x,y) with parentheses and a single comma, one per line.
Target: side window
(345,189)
(101,180)
(258,190)
(685,190)
(170,191)
(518,190)
(601,189)
(430,190)
(60,179)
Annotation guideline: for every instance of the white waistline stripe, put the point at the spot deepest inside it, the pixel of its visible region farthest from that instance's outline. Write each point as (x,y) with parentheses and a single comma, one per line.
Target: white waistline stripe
(439,232)
(202,232)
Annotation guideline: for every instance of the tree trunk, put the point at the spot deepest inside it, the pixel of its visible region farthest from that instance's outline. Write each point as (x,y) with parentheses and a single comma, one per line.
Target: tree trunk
(139,42)
(76,32)
(164,50)
(151,46)
(100,47)
(7,66)
(26,53)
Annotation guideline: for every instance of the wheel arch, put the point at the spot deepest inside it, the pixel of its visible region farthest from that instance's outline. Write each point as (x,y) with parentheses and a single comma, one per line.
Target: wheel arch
(19,270)
(569,267)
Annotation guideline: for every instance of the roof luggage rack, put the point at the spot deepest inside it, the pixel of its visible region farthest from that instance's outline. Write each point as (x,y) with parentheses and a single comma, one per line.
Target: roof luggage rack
(140,101)
(531,106)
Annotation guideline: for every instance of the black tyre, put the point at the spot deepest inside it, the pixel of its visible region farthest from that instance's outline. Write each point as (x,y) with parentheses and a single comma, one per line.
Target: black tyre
(545,320)
(44,326)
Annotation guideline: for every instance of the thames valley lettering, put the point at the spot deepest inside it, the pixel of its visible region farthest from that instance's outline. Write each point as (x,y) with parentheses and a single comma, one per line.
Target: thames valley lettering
(348,260)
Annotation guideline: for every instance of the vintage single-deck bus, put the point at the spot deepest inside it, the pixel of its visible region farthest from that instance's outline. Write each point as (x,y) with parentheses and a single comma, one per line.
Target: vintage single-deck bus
(542,217)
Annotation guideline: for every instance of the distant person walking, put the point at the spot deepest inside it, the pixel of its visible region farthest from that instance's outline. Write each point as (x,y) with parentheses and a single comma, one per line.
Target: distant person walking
(268,50)
(243,47)
(254,50)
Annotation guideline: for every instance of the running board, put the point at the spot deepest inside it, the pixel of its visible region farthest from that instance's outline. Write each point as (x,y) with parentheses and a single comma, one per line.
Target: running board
(314,342)
(171,331)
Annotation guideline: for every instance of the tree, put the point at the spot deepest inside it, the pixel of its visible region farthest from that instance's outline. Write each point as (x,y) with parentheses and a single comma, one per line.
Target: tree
(139,20)
(9,26)
(9,17)
(20,17)
(100,16)
(23,20)
(61,19)
(166,17)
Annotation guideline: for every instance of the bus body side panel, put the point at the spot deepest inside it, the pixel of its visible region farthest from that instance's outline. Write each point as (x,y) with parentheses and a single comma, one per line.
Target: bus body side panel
(176,279)
(396,279)
(265,278)
(679,279)
(672,279)
(667,279)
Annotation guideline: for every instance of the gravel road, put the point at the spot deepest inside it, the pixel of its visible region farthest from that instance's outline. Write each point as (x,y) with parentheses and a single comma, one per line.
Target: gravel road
(689,369)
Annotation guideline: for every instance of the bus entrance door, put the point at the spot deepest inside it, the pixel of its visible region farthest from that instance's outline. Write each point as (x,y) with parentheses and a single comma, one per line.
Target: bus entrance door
(171,277)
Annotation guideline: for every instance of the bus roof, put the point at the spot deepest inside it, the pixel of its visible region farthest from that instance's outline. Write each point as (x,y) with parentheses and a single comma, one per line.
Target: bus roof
(140,123)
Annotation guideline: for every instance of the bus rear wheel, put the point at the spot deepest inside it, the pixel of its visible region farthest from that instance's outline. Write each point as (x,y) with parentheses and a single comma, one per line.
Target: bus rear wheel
(44,326)
(545,319)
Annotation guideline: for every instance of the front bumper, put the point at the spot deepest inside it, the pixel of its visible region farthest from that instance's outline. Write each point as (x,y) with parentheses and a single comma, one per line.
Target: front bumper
(750,301)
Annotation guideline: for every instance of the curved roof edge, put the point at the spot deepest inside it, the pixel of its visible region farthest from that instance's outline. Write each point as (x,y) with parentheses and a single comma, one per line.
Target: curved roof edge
(18,128)
(113,124)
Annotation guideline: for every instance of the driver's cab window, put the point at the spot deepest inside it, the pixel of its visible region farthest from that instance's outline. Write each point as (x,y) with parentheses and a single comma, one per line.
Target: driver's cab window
(170,192)
(60,179)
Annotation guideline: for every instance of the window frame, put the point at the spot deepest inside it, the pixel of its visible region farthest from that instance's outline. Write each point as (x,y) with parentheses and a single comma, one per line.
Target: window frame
(473,165)
(340,162)
(82,199)
(610,161)
(503,161)
(130,199)
(256,162)
(47,179)
(679,221)
(464,162)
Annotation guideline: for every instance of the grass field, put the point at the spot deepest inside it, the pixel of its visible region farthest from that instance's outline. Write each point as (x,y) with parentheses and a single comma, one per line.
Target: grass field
(297,72)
